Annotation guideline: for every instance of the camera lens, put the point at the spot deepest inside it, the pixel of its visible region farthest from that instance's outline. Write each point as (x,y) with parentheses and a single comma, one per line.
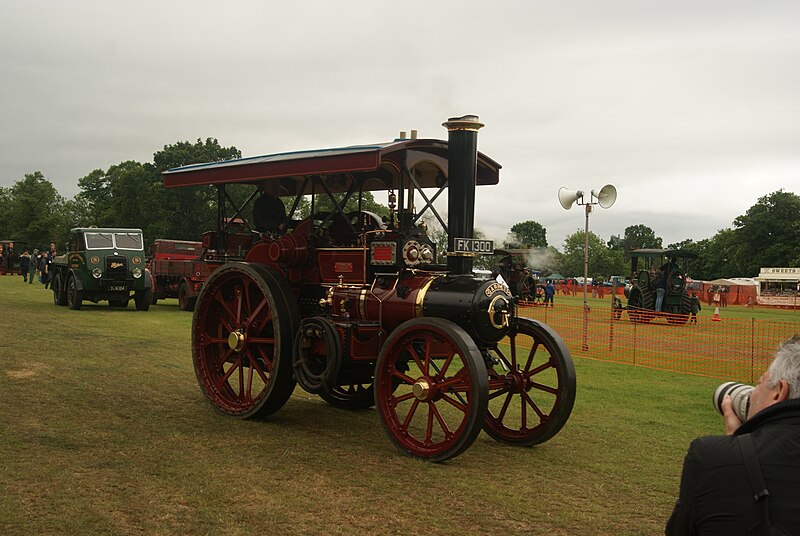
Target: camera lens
(740,396)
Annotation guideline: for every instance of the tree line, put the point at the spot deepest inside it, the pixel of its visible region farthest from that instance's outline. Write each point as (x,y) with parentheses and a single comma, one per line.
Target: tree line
(764,236)
(128,194)
(131,194)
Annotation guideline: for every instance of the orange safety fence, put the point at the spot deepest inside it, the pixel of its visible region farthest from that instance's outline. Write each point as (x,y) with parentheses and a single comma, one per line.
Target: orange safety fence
(734,349)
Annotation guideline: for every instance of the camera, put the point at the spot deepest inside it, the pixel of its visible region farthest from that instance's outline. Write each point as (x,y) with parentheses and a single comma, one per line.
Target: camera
(740,396)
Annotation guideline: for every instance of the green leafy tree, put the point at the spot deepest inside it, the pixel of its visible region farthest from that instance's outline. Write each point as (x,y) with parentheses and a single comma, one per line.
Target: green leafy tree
(184,153)
(527,234)
(687,244)
(767,234)
(32,212)
(94,195)
(131,194)
(637,237)
(719,257)
(603,261)
(189,211)
(5,204)
(123,196)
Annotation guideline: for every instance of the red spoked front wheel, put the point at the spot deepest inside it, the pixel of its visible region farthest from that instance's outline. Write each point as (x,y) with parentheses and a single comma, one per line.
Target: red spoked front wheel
(242,333)
(431,389)
(532,388)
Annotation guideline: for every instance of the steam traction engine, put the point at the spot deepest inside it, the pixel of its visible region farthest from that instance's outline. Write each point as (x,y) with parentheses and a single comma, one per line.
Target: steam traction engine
(355,309)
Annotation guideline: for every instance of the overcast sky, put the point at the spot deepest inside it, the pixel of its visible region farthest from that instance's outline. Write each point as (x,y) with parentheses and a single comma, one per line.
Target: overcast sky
(690,108)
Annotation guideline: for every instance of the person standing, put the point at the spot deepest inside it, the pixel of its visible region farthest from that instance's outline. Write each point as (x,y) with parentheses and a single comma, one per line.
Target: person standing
(695,308)
(661,287)
(33,268)
(8,258)
(720,492)
(45,269)
(549,292)
(24,265)
(616,307)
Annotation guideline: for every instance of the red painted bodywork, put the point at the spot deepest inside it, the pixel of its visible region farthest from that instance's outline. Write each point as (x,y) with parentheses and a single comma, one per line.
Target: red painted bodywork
(173,262)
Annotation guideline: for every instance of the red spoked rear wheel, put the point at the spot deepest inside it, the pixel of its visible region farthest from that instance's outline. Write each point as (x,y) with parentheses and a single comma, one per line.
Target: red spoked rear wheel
(431,389)
(242,333)
(532,388)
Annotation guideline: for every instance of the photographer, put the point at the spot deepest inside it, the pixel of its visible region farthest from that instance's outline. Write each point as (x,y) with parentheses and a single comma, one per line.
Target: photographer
(720,493)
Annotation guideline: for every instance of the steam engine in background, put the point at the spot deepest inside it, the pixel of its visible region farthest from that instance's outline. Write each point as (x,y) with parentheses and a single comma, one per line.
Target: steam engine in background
(355,309)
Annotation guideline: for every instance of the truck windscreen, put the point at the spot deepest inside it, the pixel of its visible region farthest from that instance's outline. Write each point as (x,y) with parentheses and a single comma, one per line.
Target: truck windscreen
(99,240)
(129,241)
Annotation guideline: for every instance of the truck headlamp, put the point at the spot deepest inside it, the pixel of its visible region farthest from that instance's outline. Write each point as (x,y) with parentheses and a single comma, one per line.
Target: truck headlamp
(137,273)
(97,273)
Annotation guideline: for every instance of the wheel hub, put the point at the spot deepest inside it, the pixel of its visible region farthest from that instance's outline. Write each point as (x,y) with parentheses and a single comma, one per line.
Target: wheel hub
(517,382)
(236,341)
(422,389)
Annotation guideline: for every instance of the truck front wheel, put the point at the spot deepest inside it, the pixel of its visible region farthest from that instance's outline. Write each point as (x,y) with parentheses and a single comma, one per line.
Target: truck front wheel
(74,295)
(59,296)
(143,299)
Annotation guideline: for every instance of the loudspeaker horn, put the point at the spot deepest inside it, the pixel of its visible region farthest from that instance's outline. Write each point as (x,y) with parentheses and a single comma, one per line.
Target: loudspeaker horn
(606,195)
(568,197)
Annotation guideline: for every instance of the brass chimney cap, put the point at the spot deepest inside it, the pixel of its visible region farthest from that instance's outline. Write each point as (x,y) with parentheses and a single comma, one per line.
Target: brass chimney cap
(465,122)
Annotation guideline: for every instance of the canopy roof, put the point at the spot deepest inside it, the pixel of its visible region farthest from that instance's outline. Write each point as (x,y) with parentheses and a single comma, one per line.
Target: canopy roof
(555,276)
(779,274)
(786,278)
(722,281)
(377,167)
(743,280)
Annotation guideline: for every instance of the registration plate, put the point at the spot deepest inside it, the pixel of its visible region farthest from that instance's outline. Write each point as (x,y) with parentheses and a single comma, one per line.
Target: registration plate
(117,288)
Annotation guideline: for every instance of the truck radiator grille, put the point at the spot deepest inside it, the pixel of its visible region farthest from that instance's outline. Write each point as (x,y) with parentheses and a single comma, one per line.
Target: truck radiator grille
(116,267)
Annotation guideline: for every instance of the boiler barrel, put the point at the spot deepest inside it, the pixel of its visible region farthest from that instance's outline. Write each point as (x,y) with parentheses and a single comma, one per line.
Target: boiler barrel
(467,301)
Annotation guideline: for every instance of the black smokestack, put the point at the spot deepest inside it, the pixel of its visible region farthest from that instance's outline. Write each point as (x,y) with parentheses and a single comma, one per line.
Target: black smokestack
(462,176)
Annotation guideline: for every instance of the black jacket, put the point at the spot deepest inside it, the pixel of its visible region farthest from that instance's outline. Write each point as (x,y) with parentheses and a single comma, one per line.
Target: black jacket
(715,495)
(268,213)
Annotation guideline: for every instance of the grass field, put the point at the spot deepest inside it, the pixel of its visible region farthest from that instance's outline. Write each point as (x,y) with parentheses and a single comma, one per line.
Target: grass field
(103,430)
(738,347)
(739,312)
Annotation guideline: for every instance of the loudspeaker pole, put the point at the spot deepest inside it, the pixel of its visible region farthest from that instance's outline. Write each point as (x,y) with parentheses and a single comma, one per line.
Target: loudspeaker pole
(586,278)
(605,197)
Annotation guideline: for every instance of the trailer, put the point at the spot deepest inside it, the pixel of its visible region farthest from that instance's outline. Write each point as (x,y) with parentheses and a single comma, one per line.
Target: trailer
(178,270)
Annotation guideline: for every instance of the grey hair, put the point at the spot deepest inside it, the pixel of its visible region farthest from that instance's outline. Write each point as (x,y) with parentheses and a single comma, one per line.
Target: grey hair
(786,366)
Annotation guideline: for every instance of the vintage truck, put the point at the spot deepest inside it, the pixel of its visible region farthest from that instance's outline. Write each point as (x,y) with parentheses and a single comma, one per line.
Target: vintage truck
(178,271)
(102,264)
